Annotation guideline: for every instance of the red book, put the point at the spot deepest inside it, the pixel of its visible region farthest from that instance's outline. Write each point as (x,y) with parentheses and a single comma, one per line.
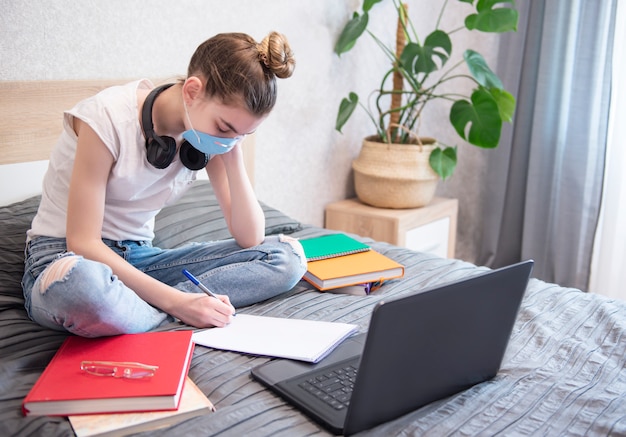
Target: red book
(64,388)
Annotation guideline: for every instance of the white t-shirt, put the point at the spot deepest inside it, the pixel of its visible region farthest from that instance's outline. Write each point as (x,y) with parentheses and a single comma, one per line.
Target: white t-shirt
(136,191)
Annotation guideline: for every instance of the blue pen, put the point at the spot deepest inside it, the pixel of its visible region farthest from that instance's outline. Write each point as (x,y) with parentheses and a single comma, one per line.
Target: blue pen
(199,284)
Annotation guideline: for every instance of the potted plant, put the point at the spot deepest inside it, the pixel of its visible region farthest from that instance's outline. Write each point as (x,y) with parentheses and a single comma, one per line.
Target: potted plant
(418,69)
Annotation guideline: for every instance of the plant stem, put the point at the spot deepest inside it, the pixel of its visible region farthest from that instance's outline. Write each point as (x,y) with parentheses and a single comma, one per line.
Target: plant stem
(398,83)
(456,30)
(443,7)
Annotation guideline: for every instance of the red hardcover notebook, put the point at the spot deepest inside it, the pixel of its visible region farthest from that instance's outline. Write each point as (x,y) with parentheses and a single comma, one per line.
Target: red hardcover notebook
(64,389)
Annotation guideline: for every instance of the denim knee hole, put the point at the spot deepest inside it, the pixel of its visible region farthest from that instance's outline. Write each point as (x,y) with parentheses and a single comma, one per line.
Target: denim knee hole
(58,270)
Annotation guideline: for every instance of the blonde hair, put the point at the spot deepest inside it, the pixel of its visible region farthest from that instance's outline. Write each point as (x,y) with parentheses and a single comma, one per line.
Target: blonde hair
(235,66)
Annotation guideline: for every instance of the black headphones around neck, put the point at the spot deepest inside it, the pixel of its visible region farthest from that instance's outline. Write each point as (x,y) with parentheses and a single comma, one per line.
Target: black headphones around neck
(160,150)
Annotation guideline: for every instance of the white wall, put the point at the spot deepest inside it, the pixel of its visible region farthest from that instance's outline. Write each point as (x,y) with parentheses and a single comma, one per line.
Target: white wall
(302,163)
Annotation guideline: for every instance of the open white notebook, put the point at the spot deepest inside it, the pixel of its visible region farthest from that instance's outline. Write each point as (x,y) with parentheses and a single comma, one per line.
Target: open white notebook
(297,339)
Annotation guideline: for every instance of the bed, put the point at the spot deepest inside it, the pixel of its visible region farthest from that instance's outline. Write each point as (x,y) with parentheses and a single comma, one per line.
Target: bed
(563,373)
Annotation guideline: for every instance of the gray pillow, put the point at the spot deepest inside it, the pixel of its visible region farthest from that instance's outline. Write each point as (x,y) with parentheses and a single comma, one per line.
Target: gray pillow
(197,217)
(15,220)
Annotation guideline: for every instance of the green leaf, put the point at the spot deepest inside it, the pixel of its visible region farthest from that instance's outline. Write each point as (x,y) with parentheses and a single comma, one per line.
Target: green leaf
(487,5)
(490,18)
(439,40)
(505,102)
(480,70)
(368,4)
(346,108)
(443,161)
(483,116)
(353,30)
(421,59)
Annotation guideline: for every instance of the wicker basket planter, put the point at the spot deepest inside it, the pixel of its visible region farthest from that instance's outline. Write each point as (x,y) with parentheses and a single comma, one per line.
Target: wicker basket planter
(395,175)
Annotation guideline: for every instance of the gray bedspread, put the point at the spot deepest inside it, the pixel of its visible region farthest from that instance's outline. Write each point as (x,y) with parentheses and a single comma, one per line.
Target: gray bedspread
(563,373)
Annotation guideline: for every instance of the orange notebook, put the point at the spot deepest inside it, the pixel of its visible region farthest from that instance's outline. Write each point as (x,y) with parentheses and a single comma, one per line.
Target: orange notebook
(358,268)
(64,389)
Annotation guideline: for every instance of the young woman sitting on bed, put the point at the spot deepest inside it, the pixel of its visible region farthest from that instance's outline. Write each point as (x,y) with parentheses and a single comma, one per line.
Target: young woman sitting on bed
(127,152)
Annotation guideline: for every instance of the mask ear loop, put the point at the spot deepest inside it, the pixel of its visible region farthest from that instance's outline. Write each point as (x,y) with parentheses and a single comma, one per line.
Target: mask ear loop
(189,121)
(186,146)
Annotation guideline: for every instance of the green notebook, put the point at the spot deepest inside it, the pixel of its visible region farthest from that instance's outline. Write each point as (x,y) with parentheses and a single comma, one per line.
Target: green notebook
(330,246)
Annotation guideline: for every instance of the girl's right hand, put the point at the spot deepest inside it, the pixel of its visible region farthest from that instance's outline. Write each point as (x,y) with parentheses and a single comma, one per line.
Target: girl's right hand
(202,311)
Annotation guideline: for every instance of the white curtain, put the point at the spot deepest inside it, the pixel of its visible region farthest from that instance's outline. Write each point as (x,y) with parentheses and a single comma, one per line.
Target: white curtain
(545,180)
(608,265)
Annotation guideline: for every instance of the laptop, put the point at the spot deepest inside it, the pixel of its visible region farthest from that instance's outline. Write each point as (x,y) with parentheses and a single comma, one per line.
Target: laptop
(418,349)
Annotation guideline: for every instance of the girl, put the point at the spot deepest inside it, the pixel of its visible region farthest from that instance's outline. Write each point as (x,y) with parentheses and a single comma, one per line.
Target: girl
(90,267)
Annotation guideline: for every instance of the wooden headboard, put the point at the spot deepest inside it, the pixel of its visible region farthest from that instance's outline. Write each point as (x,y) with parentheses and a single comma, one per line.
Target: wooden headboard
(31,117)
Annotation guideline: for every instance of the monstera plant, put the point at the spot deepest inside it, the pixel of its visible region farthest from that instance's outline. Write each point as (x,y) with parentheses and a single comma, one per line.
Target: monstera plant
(419,67)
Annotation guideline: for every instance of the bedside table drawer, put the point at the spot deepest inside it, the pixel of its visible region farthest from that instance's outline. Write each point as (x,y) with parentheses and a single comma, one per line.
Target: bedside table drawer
(431,238)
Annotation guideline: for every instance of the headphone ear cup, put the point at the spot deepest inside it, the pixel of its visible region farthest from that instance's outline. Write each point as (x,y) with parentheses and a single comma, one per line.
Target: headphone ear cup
(192,158)
(160,151)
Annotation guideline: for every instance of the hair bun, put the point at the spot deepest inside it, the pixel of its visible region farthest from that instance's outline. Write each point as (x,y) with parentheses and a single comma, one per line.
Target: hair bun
(276,55)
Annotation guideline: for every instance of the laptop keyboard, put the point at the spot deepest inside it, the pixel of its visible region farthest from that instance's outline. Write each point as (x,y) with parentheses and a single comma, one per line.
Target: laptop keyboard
(334,386)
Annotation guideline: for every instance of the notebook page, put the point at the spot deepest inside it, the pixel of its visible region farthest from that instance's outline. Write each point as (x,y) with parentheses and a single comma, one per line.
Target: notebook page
(305,340)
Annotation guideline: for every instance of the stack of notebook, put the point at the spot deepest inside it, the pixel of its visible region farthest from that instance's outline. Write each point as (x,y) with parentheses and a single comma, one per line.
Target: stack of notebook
(120,384)
(338,260)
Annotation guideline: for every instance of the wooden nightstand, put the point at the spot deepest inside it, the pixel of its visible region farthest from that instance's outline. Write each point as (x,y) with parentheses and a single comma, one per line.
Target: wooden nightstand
(431,228)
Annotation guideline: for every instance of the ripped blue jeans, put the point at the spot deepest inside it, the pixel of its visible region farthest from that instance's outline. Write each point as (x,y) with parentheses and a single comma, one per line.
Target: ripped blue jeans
(91,301)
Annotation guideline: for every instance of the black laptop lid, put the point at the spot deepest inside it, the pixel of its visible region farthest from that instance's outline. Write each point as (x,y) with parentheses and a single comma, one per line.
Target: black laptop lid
(433,344)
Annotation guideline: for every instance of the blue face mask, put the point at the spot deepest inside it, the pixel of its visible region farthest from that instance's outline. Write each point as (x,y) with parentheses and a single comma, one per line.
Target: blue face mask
(208,144)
